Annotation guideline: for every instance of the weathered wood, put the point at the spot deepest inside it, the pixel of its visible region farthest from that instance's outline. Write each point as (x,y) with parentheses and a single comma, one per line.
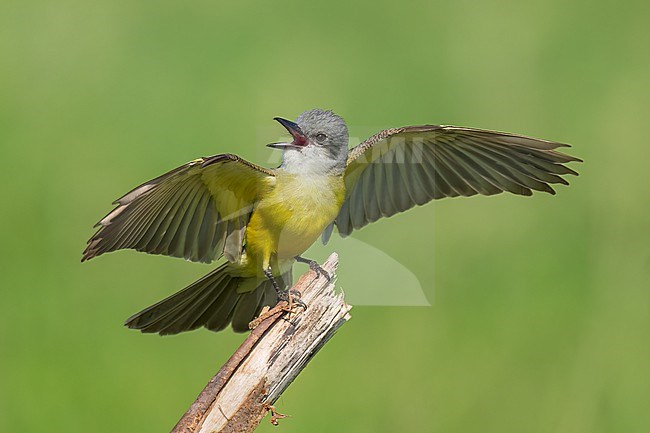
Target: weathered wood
(241,393)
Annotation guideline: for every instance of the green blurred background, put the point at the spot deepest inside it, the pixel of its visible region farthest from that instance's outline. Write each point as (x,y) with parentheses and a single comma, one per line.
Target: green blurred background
(541,315)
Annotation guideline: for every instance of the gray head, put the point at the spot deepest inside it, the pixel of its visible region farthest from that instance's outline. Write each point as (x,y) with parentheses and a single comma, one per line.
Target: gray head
(320,143)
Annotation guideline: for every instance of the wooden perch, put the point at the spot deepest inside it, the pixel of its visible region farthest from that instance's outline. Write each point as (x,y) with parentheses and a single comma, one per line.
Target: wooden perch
(239,396)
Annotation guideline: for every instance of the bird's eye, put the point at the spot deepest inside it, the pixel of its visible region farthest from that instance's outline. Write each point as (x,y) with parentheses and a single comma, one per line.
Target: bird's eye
(320,137)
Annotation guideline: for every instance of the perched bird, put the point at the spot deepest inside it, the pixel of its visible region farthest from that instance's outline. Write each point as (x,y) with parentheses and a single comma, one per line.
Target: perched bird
(263,219)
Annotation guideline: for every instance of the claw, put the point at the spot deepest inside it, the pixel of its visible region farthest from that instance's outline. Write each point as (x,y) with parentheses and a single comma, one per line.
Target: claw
(300,303)
(292,297)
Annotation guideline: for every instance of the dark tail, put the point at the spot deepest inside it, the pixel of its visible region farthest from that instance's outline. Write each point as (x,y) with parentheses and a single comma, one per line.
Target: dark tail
(213,302)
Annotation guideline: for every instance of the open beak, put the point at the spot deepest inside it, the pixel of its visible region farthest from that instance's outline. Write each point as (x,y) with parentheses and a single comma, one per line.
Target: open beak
(299,139)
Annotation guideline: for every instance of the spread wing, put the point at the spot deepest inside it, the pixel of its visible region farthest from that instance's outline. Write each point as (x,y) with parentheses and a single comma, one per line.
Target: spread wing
(399,168)
(198,211)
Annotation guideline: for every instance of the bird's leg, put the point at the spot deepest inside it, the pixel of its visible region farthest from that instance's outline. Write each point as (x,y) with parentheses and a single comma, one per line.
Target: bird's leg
(275,284)
(290,296)
(314,266)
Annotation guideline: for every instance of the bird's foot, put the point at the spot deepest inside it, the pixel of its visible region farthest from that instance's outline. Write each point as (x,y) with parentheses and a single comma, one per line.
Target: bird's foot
(314,266)
(288,301)
(289,296)
(293,298)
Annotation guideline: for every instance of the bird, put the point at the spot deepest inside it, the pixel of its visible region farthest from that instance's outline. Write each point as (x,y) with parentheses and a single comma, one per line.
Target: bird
(261,220)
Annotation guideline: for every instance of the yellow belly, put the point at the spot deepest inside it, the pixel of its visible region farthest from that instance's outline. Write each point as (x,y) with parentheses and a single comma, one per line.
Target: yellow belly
(291,218)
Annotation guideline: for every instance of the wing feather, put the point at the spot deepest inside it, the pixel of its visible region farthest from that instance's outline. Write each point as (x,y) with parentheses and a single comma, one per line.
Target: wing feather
(192,244)
(400,168)
(198,211)
(383,193)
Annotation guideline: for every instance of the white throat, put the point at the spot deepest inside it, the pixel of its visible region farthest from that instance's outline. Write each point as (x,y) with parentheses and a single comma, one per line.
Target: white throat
(312,160)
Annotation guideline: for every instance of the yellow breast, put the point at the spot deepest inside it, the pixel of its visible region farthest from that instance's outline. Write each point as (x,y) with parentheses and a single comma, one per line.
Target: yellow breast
(293,215)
